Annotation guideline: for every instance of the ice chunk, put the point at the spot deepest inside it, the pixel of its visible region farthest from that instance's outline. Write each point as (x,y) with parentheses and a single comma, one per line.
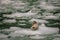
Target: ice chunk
(15,28)
(41,31)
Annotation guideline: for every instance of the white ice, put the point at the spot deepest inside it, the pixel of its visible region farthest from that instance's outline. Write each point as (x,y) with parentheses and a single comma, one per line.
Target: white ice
(41,31)
(38,34)
(51,17)
(17,14)
(38,20)
(9,21)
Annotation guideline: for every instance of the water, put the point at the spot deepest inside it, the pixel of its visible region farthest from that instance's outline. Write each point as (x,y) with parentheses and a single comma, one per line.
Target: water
(43,33)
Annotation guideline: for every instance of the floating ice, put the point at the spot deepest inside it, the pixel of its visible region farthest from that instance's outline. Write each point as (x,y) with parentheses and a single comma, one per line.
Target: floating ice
(51,17)
(48,30)
(39,20)
(17,14)
(46,6)
(37,37)
(37,34)
(9,21)
(41,31)
(16,34)
(15,28)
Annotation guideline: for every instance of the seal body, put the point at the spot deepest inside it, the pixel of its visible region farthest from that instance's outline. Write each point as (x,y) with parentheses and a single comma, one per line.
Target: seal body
(34,25)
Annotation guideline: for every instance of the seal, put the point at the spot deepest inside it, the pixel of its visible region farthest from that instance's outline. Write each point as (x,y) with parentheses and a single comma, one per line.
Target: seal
(35,25)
